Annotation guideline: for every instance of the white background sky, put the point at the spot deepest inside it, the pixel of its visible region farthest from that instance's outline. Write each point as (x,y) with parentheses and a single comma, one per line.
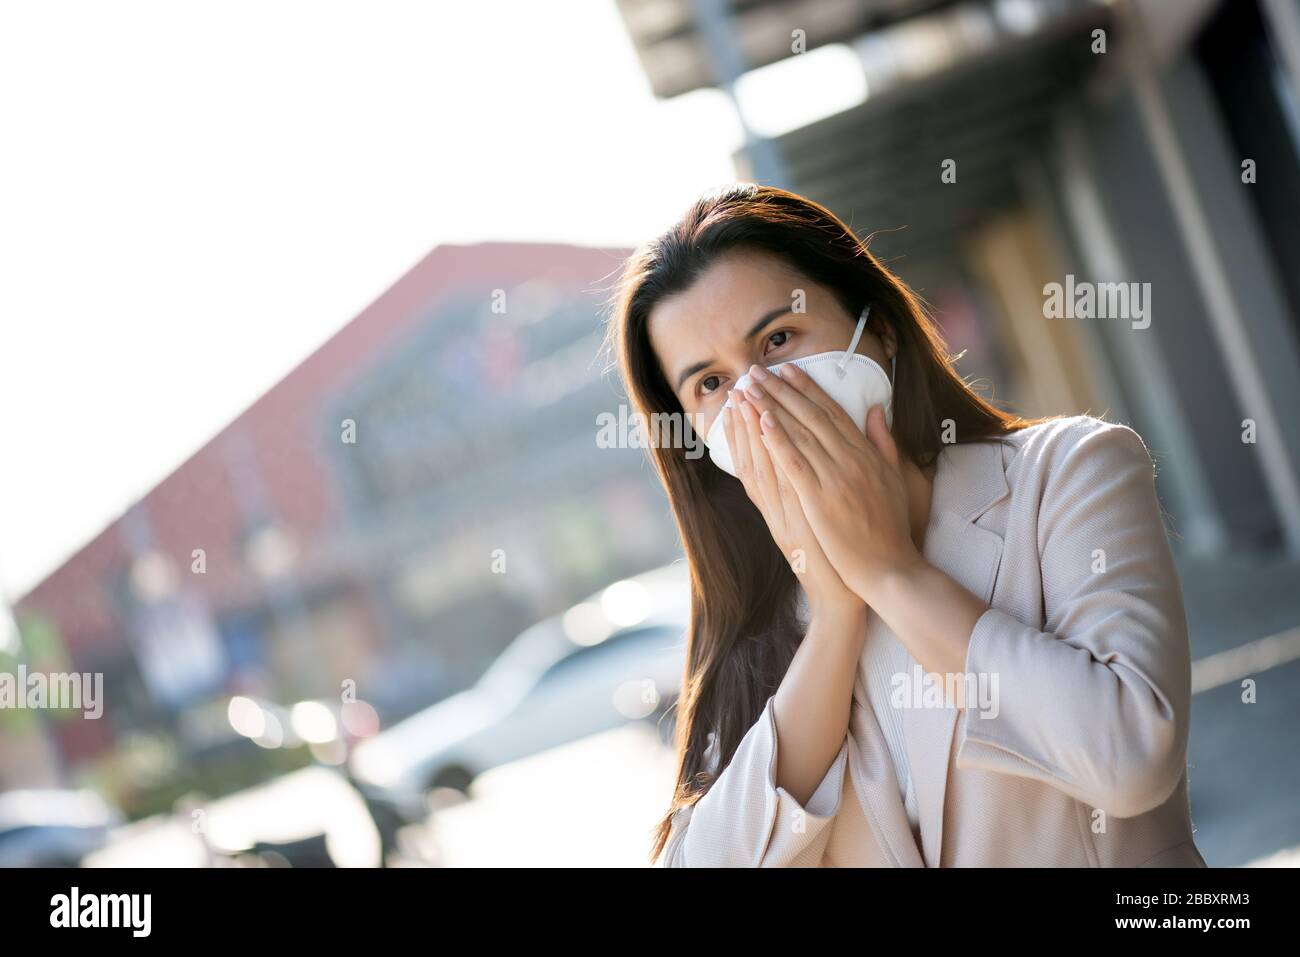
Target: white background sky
(194,196)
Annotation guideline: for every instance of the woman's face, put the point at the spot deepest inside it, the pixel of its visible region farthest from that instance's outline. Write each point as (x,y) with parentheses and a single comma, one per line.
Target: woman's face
(739,313)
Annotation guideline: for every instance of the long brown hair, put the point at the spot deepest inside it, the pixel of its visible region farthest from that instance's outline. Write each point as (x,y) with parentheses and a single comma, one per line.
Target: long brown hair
(743,631)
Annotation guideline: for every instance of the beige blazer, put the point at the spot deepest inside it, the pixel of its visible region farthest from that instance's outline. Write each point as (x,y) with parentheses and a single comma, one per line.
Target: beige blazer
(1083,762)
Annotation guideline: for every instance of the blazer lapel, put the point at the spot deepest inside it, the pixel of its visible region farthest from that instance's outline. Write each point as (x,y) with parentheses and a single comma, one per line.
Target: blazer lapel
(970,479)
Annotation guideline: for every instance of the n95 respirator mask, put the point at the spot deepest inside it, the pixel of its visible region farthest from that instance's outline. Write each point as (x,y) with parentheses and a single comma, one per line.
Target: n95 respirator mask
(854,381)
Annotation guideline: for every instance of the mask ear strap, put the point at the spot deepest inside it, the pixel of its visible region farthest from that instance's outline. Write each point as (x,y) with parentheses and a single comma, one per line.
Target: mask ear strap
(853,343)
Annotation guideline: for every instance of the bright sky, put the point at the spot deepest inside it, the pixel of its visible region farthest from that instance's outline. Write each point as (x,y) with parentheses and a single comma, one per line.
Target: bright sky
(195,196)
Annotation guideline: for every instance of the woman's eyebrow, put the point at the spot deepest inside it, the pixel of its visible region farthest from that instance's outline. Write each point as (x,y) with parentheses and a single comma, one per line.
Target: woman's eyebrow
(754,330)
(774,314)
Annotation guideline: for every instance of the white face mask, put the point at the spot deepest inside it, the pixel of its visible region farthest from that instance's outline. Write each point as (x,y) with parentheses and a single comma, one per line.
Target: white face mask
(854,381)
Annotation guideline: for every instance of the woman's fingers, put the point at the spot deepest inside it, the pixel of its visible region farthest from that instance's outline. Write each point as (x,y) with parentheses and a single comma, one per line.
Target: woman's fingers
(795,519)
(805,439)
(807,554)
(739,452)
(742,459)
(765,479)
(800,382)
(880,436)
(789,457)
(795,390)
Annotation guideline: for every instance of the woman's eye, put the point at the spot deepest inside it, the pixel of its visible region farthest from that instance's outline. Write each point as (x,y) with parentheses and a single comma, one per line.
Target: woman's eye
(778,338)
(705,386)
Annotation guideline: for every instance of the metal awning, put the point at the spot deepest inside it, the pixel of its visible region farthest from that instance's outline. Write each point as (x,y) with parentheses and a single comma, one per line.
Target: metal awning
(977,81)
(879,163)
(676,55)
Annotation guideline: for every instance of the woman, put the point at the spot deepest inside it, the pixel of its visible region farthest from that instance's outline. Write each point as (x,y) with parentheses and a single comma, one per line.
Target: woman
(841,565)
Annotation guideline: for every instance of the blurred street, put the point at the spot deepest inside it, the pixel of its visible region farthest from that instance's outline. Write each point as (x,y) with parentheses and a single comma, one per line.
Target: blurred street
(616,783)
(517,817)
(1243,771)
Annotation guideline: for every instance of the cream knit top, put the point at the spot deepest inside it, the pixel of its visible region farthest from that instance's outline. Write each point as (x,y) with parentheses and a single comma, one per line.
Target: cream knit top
(883,656)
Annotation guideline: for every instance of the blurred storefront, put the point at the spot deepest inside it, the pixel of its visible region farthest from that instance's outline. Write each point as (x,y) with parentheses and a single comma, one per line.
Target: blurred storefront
(392,513)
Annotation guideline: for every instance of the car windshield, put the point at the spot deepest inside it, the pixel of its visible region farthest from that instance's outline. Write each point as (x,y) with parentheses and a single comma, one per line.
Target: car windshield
(543,655)
(526,658)
(634,641)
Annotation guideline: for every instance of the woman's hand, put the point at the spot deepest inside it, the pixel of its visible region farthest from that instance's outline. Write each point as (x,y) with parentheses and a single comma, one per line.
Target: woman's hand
(771,491)
(850,486)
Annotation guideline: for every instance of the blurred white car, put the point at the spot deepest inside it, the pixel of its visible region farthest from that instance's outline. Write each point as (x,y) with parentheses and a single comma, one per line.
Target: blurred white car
(616,657)
(53,827)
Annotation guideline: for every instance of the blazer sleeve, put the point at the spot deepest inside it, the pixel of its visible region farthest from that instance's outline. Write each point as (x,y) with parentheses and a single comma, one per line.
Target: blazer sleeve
(1097,703)
(746,820)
